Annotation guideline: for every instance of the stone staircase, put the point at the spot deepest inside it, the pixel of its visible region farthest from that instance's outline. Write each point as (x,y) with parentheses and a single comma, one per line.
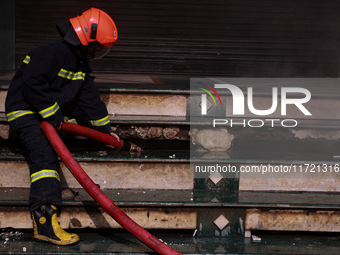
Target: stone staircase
(240,212)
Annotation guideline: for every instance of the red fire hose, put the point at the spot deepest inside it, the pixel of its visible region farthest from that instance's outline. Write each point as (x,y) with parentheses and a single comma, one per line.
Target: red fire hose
(92,134)
(98,195)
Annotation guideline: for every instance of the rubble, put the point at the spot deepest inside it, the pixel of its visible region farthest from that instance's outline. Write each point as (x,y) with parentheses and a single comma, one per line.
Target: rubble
(170,133)
(8,236)
(152,132)
(4,131)
(212,139)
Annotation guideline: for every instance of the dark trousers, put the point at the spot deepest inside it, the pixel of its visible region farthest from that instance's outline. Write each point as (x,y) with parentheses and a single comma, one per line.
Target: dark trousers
(45,189)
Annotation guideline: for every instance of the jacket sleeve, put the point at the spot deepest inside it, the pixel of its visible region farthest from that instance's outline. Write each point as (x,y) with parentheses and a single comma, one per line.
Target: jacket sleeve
(93,107)
(42,67)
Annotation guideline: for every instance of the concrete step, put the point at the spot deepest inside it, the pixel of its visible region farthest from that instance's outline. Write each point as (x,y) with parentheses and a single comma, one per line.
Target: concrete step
(159,108)
(136,94)
(163,190)
(143,95)
(107,242)
(173,190)
(209,213)
(182,170)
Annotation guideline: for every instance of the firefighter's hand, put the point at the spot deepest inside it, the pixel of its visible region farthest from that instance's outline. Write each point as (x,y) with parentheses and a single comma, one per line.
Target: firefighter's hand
(58,126)
(115,136)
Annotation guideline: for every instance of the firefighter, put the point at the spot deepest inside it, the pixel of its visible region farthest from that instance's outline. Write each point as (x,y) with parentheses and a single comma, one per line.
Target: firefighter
(54,84)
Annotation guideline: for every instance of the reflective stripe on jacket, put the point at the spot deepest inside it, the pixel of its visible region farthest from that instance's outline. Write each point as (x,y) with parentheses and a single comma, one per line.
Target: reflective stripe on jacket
(46,173)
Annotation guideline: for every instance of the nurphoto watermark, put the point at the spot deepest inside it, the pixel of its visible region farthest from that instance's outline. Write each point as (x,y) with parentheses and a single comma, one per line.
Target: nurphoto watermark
(262,108)
(249,103)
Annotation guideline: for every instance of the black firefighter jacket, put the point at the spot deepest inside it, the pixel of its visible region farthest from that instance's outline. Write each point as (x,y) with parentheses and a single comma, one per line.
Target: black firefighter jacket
(52,83)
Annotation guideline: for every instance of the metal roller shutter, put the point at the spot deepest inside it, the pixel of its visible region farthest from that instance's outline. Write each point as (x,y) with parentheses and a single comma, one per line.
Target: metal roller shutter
(272,38)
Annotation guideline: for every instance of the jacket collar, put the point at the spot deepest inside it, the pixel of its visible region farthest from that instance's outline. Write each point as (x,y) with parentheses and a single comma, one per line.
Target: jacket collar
(66,31)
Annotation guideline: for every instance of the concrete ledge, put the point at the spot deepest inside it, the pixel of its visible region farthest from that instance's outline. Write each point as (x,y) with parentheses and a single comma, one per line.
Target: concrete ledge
(137,104)
(302,177)
(292,220)
(145,104)
(109,175)
(150,218)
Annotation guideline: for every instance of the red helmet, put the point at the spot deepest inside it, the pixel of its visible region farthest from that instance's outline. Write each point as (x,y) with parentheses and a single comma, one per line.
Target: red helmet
(95,25)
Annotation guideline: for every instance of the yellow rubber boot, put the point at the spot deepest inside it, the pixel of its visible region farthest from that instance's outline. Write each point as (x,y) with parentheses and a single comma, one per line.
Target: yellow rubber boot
(46,227)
